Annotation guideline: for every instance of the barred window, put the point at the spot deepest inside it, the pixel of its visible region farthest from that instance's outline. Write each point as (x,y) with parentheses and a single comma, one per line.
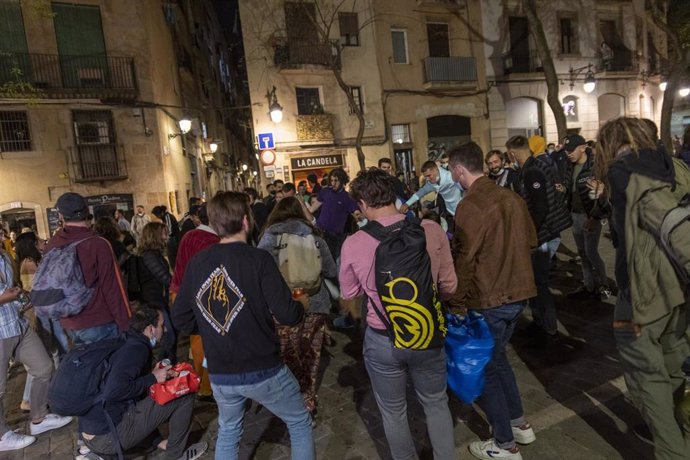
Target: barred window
(14,132)
(400,134)
(357,95)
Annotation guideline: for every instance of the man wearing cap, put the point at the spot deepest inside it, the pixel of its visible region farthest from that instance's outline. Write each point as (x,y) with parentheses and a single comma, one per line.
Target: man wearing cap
(586,214)
(550,217)
(107,313)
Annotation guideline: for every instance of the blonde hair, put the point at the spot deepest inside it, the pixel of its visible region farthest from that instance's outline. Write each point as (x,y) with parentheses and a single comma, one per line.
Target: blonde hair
(633,133)
(152,238)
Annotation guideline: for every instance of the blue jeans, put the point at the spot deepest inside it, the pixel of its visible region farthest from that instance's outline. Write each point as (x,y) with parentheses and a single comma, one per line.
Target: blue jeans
(388,369)
(93,334)
(281,395)
(500,399)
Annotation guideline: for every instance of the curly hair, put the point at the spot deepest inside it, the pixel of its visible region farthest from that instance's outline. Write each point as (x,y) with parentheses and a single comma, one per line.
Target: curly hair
(375,187)
(341,175)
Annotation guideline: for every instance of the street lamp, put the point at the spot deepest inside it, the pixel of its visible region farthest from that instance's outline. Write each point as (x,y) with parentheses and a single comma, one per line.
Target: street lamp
(245,167)
(185,125)
(590,82)
(684,91)
(662,85)
(275,110)
(213,147)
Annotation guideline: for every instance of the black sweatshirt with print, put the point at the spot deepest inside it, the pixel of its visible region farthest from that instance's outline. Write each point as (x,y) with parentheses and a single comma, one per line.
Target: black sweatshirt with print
(229,295)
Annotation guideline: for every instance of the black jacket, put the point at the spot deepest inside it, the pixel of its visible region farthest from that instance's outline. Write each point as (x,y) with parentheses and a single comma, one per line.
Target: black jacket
(154,278)
(549,213)
(598,208)
(127,382)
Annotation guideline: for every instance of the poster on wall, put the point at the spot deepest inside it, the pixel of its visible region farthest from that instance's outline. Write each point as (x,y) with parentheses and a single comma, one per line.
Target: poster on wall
(54,223)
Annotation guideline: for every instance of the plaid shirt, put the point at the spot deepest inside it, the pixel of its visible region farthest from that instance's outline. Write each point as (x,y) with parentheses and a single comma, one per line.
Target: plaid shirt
(11,323)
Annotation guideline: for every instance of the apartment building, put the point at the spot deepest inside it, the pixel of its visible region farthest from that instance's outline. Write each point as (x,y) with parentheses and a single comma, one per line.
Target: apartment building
(92,93)
(608,54)
(412,67)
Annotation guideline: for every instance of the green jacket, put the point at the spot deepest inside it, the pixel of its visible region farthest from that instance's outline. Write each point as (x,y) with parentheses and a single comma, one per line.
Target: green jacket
(655,288)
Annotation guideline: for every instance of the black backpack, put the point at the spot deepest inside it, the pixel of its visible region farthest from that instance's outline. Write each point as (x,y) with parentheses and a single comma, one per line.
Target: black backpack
(77,385)
(414,317)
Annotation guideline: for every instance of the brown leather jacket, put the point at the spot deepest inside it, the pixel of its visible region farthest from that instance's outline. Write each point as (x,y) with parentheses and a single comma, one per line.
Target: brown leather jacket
(492,244)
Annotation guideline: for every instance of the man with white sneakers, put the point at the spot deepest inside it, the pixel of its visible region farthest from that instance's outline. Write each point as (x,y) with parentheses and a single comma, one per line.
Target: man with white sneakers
(18,339)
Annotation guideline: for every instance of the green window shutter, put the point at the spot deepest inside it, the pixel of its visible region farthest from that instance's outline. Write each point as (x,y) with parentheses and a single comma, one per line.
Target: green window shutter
(78,29)
(12,27)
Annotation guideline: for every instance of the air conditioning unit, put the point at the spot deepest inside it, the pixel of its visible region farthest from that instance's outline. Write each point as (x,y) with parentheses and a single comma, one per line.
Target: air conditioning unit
(91,132)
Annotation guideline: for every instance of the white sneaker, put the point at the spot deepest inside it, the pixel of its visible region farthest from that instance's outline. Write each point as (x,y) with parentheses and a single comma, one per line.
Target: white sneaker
(15,441)
(488,450)
(50,422)
(522,435)
(194,451)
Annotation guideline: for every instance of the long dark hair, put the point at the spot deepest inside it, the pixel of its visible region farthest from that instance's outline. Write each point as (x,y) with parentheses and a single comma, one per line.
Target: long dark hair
(25,248)
(286,209)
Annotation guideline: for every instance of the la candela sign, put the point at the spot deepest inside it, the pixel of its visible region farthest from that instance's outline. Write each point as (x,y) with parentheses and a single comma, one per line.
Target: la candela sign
(315,162)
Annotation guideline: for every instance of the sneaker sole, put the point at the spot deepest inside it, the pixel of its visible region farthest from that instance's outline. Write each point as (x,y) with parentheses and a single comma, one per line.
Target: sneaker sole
(523,439)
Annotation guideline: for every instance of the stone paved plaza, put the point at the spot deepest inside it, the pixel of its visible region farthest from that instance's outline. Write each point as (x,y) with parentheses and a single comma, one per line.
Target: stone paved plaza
(577,407)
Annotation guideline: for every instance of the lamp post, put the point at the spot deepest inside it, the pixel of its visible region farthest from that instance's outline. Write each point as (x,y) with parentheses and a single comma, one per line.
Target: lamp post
(590,82)
(185,125)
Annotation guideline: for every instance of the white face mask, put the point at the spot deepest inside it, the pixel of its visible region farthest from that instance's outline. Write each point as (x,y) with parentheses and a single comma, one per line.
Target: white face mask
(153,341)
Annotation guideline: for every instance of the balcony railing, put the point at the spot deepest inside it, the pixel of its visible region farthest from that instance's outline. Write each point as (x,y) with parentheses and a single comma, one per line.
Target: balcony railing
(315,127)
(620,60)
(522,62)
(450,69)
(296,54)
(60,76)
(97,162)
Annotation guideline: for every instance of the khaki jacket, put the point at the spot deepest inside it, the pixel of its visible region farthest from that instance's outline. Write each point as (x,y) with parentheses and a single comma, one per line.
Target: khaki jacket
(492,244)
(655,289)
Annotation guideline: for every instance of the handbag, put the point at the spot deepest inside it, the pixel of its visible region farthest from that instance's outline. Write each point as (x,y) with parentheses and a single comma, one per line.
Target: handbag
(469,347)
(187,381)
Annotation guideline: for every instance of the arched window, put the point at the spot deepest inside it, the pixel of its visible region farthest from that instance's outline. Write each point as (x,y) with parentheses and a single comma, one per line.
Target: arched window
(611,105)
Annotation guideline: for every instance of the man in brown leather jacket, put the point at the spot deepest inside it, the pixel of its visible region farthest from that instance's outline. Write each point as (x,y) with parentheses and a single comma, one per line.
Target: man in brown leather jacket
(492,244)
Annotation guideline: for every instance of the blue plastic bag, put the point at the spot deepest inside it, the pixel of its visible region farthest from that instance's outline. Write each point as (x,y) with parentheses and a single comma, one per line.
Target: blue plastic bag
(469,345)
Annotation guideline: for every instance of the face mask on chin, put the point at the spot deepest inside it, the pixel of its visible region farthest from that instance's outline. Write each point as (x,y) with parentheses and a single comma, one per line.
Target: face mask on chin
(444,166)
(153,342)
(497,172)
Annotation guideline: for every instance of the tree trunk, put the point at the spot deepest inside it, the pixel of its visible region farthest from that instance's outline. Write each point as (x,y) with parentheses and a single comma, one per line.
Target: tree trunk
(355,108)
(552,83)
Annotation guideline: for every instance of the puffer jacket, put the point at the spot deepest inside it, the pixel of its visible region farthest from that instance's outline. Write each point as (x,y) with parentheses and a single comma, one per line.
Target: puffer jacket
(598,208)
(321,301)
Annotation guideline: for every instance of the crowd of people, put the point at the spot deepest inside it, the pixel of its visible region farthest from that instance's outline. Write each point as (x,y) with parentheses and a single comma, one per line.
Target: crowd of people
(257,283)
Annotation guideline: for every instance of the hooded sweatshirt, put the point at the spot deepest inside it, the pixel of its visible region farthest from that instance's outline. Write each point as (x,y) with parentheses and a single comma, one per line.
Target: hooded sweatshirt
(655,164)
(101,272)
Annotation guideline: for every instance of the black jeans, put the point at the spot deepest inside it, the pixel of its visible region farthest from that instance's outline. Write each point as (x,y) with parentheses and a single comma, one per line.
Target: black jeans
(142,418)
(543,306)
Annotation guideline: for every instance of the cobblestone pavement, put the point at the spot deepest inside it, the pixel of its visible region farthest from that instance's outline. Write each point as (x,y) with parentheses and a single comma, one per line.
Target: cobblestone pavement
(578,407)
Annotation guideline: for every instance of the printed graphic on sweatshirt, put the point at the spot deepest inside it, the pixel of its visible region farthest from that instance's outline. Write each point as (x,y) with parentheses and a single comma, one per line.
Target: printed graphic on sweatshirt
(220,300)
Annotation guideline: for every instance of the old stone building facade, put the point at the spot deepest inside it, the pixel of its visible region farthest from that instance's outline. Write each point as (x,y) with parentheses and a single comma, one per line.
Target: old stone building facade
(613,44)
(91,95)
(412,67)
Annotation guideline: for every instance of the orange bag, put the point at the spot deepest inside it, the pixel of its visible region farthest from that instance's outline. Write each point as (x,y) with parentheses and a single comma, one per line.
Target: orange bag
(187,381)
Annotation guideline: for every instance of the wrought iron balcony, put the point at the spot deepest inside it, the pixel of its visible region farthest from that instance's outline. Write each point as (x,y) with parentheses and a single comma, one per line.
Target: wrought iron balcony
(620,60)
(450,70)
(61,77)
(298,54)
(97,163)
(315,127)
(522,62)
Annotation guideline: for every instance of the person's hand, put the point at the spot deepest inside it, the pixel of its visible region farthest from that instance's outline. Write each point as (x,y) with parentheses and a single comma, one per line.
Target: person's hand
(351,306)
(404,208)
(10,295)
(161,373)
(559,188)
(596,186)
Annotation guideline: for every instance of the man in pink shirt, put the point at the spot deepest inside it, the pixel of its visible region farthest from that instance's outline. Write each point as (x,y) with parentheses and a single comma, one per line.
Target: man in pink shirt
(388,367)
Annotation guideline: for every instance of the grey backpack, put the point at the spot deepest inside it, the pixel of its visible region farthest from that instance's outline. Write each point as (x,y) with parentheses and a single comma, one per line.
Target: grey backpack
(58,288)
